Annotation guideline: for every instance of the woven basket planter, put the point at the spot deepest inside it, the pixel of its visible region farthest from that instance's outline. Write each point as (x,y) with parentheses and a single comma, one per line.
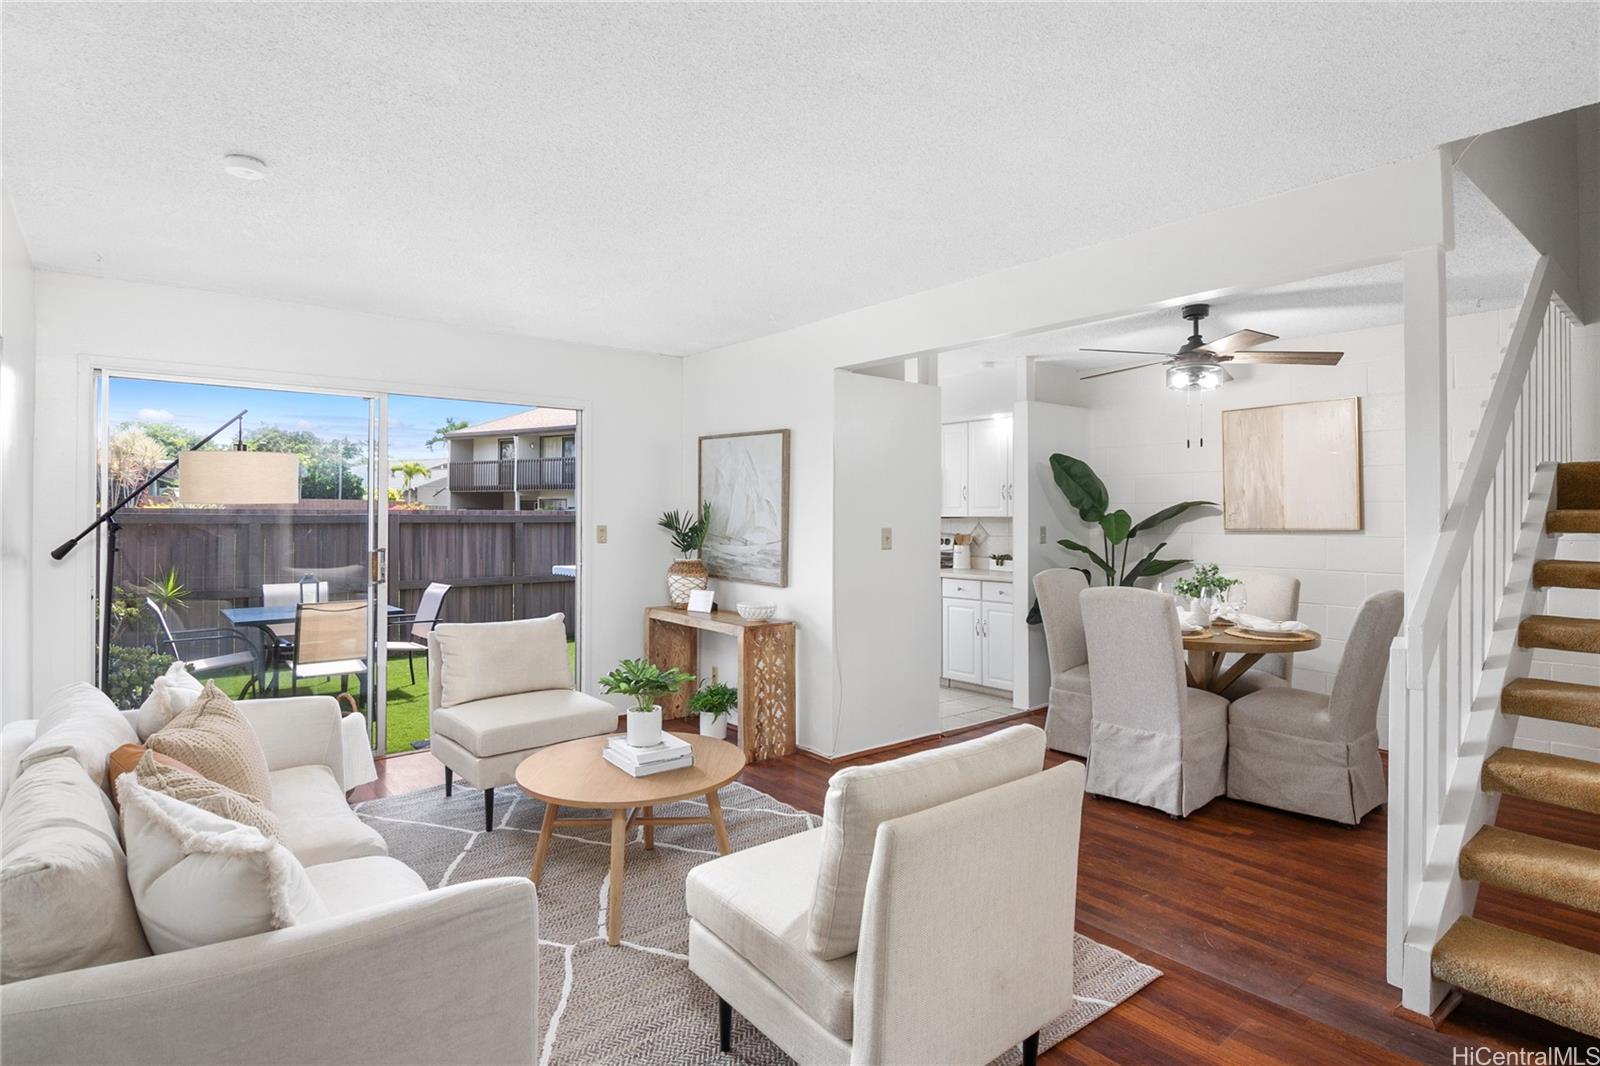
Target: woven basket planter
(685,576)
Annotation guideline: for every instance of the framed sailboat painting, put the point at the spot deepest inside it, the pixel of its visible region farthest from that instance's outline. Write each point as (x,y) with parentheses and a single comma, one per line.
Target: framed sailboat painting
(745,479)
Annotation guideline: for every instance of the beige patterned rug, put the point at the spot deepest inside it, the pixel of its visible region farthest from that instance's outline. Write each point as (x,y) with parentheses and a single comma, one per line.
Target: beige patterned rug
(639,1003)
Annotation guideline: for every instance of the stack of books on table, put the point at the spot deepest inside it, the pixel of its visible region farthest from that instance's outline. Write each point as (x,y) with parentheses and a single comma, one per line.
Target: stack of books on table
(671,754)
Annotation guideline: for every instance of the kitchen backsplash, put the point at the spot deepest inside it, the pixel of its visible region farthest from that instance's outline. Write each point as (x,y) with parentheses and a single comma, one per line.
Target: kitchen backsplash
(990,536)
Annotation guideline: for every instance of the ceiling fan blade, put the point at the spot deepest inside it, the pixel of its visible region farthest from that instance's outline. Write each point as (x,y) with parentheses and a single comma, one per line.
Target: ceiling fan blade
(1288,358)
(1127,351)
(1233,342)
(1119,370)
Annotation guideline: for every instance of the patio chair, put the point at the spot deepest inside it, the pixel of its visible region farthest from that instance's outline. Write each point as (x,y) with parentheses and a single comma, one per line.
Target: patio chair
(208,665)
(287,594)
(331,640)
(420,625)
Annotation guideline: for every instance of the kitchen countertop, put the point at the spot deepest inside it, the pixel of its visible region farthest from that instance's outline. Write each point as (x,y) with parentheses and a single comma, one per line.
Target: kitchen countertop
(979,575)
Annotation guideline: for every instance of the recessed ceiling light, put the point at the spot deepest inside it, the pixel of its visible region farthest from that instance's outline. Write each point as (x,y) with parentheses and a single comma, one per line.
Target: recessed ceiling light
(244,167)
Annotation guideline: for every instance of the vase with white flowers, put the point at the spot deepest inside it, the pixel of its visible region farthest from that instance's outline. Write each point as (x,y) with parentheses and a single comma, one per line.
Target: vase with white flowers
(645,682)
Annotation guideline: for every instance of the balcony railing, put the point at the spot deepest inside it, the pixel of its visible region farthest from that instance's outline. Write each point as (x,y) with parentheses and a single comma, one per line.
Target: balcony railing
(508,475)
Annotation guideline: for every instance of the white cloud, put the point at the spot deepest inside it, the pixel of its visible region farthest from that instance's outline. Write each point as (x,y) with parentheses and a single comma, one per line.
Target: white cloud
(155,414)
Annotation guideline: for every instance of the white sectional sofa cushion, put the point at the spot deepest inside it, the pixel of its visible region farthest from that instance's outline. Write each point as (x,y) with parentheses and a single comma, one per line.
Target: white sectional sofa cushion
(486,659)
(81,721)
(317,824)
(356,884)
(198,878)
(64,901)
(862,797)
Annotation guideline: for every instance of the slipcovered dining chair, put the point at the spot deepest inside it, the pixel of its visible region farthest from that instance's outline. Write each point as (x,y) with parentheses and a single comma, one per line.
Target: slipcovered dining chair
(1152,739)
(419,626)
(1314,754)
(331,640)
(1066,725)
(1276,597)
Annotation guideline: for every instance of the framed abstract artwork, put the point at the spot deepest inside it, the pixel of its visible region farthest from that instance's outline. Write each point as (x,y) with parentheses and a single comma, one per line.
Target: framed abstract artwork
(745,479)
(1292,467)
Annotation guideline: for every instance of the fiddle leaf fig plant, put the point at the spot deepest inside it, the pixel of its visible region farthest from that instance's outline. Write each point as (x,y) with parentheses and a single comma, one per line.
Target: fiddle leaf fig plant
(1087,494)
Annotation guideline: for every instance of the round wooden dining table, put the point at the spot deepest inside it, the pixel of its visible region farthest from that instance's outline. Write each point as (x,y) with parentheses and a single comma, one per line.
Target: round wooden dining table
(1208,648)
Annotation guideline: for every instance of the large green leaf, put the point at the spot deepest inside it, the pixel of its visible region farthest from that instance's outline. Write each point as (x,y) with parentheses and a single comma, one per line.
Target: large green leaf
(1167,514)
(1150,566)
(1094,556)
(1116,526)
(1079,484)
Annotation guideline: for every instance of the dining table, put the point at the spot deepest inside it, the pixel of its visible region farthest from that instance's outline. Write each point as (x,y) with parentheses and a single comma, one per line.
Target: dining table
(263,619)
(1209,648)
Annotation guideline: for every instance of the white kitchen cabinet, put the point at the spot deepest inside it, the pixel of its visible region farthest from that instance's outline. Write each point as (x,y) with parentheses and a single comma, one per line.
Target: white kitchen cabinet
(963,658)
(995,621)
(975,468)
(953,468)
(989,467)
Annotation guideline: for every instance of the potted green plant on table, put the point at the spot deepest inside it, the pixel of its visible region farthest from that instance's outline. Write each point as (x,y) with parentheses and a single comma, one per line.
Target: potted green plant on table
(688,532)
(645,682)
(1206,585)
(712,702)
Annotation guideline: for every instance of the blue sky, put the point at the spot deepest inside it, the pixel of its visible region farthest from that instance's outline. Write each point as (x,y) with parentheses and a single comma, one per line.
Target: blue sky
(200,408)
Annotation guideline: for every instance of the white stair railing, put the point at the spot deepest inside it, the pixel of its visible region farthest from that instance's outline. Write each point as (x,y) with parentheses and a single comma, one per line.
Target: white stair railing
(1458,648)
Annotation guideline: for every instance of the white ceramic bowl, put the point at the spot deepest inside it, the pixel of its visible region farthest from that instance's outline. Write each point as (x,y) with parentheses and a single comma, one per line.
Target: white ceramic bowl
(757,612)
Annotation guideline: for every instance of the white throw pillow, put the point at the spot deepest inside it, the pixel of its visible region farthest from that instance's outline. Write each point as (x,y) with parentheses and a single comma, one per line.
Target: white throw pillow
(170,694)
(198,878)
(478,660)
(80,721)
(64,899)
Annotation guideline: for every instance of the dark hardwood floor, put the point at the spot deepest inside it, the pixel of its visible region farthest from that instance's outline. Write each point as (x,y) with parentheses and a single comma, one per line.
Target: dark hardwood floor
(1268,927)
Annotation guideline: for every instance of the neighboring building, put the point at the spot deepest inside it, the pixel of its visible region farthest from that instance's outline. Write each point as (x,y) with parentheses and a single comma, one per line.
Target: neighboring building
(523,462)
(430,491)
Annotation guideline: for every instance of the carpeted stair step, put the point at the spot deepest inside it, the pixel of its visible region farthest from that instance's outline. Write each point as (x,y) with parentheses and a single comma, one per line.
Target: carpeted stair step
(1566,574)
(1556,701)
(1544,869)
(1578,486)
(1537,976)
(1559,633)
(1546,778)
(1572,520)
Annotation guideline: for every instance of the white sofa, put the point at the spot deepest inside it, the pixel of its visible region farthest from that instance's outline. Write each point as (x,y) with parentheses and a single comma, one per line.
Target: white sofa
(362,985)
(929,920)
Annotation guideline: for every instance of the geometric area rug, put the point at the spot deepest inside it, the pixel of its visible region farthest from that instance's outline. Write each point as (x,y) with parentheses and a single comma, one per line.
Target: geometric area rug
(638,1003)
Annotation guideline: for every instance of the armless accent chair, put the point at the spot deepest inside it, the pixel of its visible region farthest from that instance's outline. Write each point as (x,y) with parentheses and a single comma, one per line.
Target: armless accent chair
(1066,726)
(896,933)
(1153,740)
(1314,754)
(1277,597)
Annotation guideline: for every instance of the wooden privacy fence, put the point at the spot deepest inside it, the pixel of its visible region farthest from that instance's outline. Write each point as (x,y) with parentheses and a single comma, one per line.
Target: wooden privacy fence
(498,562)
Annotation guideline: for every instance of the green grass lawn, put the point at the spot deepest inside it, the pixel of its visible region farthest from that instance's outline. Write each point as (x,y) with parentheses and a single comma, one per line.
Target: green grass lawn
(408,700)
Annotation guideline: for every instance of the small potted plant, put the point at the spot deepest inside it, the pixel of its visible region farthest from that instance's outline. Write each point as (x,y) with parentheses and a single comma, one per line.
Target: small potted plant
(1001,561)
(645,682)
(688,532)
(1205,585)
(712,702)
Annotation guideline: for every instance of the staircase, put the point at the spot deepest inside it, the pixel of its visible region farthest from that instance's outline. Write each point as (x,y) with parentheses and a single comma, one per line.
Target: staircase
(1465,658)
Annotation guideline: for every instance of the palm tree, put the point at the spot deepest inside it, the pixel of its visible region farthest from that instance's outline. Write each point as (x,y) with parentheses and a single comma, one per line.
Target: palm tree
(409,471)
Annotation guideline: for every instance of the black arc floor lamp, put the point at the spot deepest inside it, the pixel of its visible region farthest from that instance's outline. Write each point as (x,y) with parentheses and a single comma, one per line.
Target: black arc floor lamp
(236,477)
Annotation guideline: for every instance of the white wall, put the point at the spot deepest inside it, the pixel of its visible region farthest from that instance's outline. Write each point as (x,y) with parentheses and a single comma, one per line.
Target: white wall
(1145,446)
(17,373)
(632,420)
(887,666)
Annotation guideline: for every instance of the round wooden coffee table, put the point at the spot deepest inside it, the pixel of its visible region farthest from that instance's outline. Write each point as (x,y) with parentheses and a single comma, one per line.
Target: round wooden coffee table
(574,775)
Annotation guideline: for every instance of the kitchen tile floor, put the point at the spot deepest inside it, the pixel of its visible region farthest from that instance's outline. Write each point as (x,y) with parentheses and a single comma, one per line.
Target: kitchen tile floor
(961,709)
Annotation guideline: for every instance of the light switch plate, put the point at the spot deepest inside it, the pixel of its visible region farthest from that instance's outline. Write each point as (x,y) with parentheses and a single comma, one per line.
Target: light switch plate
(600,534)
(886,541)
(1041,534)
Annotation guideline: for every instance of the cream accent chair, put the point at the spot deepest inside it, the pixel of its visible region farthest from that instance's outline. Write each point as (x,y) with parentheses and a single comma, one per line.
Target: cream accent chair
(1277,597)
(1314,754)
(896,932)
(1066,725)
(304,994)
(1154,740)
(498,692)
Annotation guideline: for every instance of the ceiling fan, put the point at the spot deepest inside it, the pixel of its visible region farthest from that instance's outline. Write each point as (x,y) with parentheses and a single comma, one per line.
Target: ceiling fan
(1201,365)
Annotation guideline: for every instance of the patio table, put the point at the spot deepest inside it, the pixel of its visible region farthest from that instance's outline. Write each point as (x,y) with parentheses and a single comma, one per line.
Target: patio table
(263,619)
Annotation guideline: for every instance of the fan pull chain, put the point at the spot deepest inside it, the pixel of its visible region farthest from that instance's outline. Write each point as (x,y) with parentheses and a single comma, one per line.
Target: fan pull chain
(1202,423)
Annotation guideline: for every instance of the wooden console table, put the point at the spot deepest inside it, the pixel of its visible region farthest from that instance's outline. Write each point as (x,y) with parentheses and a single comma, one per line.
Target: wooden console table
(766,671)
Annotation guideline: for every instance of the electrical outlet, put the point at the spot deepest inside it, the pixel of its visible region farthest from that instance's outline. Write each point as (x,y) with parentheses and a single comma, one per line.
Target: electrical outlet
(1041,534)
(886,539)
(600,535)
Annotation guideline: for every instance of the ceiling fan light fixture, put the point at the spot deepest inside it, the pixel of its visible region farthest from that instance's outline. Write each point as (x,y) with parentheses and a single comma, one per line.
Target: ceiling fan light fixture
(1192,377)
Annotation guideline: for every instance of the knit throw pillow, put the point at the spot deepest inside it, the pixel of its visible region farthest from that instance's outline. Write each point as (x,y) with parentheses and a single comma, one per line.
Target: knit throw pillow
(215,739)
(197,791)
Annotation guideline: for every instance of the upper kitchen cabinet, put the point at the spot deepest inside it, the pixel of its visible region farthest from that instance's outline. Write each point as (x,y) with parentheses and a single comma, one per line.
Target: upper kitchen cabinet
(976,461)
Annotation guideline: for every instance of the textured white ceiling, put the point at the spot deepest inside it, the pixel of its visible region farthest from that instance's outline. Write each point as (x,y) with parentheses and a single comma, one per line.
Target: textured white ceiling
(676,177)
